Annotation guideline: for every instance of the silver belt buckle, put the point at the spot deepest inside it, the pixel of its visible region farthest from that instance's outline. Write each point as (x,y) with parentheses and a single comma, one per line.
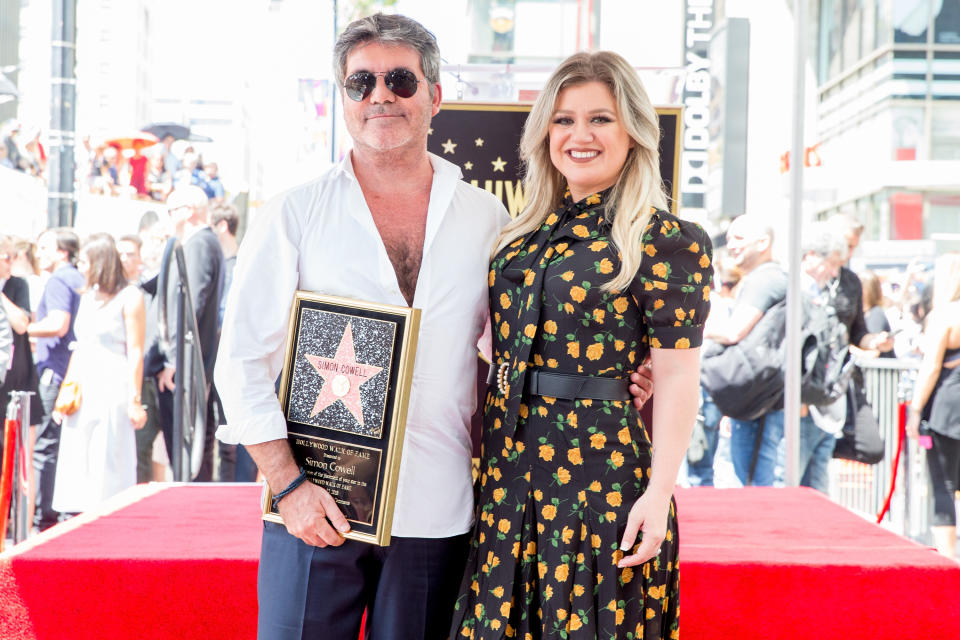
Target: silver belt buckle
(502,377)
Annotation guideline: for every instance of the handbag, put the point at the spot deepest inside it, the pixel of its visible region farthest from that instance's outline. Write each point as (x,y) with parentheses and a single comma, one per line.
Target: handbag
(861,441)
(745,379)
(68,399)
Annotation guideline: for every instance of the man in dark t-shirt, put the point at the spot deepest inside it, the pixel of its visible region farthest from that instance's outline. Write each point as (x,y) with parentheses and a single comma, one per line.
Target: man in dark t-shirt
(764,284)
(56,252)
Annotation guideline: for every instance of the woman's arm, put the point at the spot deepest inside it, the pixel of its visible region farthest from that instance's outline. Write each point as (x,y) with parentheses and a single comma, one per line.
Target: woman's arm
(676,385)
(19,319)
(134,321)
(933,343)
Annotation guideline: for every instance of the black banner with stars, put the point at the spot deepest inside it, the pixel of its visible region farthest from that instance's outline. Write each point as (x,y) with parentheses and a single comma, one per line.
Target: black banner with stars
(483,139)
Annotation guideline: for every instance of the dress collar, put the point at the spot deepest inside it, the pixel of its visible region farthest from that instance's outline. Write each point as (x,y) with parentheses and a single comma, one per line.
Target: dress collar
(592,201)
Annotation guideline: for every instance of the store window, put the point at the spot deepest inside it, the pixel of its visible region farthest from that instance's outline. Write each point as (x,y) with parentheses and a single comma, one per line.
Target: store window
(852,14)
(911,19)
(945,131)
(868,26)
(906,215)
(831,30)
(943,214)
(946,24)
(884,22)
(907,133)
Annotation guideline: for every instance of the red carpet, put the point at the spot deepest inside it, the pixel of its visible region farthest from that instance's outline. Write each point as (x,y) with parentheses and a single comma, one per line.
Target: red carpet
(179,562)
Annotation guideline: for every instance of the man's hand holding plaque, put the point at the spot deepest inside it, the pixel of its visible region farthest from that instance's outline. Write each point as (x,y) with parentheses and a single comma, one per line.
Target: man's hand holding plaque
(311,514)
(344,392)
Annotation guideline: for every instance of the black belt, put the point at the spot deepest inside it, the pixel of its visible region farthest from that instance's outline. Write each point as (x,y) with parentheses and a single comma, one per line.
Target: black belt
(569,386)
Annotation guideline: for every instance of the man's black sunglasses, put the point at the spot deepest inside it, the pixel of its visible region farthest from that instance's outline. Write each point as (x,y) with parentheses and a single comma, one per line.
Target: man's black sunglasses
(402,82)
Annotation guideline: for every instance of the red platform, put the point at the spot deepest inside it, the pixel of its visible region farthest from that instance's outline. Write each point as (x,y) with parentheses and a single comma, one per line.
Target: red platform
(180,562)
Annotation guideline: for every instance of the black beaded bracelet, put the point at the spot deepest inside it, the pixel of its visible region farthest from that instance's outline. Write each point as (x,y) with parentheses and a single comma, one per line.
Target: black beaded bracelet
(290,488)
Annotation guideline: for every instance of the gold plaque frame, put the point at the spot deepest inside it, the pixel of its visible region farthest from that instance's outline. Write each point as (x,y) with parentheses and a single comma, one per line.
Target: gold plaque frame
(356,457)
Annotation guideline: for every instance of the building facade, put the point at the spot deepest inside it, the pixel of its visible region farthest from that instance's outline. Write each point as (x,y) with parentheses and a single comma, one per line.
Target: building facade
(888,85)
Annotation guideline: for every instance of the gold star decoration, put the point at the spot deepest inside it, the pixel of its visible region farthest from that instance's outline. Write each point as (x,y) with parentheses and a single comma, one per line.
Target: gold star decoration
(449,146)
(468,165)
(498,164)
(478,142)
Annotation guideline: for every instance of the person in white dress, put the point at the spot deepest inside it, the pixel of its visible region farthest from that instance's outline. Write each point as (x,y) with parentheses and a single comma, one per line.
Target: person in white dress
(98,456)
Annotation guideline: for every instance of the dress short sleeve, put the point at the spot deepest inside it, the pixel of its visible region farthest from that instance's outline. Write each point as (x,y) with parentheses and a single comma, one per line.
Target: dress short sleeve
(672,286)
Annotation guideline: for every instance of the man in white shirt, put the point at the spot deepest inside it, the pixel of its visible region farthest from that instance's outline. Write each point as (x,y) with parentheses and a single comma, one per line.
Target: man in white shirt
(392,224)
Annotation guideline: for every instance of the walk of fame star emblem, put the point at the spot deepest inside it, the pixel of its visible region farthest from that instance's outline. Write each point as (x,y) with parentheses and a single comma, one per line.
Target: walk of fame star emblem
(342,376)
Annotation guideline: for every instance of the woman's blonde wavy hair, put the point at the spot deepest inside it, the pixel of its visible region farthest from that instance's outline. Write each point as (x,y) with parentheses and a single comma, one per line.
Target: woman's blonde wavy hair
(637,189)
(946,279)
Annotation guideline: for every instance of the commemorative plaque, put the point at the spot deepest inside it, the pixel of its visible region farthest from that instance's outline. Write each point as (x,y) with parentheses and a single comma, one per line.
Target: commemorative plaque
(344,391)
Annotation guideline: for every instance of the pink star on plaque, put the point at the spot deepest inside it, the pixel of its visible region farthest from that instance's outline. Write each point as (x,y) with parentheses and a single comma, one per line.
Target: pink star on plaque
(342,376)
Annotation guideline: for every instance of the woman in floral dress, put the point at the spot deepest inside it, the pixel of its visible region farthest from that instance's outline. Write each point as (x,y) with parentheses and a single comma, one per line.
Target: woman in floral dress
(576,532)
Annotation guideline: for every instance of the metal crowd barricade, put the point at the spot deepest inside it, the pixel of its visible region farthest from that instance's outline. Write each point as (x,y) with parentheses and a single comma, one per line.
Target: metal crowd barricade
(190,392)
(863,488)
(18,415)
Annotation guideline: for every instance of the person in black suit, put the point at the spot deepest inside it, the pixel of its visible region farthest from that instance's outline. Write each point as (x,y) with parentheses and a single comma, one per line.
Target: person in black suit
(188,208)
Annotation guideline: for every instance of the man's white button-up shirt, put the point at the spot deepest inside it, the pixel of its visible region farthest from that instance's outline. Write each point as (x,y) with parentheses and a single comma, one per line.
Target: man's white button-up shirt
(321,237)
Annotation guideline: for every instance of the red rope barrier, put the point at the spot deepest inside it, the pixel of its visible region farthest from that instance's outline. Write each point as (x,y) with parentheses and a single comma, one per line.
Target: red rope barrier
(901,436)
(11,429)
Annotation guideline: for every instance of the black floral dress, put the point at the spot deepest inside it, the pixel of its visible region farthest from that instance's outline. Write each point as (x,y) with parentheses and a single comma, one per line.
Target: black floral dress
(558,477)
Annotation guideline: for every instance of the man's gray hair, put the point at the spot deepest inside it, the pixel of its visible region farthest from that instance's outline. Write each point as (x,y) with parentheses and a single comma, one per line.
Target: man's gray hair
(823,239)
(388,30)
(846,223)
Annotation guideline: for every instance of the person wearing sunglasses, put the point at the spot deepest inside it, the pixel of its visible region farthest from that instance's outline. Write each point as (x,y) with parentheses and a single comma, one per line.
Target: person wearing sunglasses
(393,224)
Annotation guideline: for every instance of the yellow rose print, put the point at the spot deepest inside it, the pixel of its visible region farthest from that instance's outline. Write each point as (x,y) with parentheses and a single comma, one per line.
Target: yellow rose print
(561,572)
(682,343)
(598,245)
(594,351)
(597,440)
(573,349)
(659,270)
(578,293)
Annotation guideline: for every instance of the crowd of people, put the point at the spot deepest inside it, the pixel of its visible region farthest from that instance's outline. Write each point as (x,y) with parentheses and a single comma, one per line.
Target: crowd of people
(85,341)
(151,171)
(908,314)
(132,168)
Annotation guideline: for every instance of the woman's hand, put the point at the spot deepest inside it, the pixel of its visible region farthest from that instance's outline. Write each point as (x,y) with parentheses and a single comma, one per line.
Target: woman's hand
(137,415)
(913,423)
(649,514)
